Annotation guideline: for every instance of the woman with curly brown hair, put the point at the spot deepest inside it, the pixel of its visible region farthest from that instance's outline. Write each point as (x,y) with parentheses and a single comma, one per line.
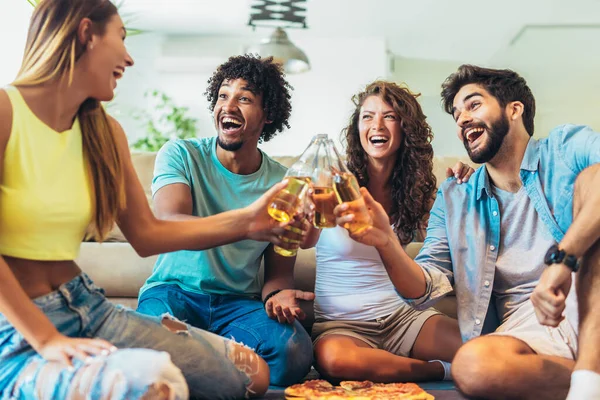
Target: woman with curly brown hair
(363,328)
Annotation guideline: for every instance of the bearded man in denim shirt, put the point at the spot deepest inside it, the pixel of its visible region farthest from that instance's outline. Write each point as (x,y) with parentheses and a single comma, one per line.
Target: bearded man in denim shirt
(487,239)
(517,209)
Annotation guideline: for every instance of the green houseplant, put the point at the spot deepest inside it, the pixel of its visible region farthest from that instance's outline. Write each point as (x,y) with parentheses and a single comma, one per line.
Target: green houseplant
(168,121)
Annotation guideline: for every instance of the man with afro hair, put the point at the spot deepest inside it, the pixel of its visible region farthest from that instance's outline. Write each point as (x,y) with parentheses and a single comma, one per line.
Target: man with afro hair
(219,289)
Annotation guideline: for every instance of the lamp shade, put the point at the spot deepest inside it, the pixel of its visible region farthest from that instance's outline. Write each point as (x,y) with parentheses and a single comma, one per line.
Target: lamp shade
(283,51)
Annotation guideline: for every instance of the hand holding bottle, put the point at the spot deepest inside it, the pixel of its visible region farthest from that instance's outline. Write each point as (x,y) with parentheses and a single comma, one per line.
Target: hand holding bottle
(294,234)
(290,203)
(262,226)
(379,233)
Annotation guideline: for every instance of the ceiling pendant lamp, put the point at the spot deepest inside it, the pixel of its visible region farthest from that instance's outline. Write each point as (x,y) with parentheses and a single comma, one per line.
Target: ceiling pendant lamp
(280,13)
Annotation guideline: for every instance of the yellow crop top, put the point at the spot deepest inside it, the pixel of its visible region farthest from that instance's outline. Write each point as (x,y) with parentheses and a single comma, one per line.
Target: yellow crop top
(45,194)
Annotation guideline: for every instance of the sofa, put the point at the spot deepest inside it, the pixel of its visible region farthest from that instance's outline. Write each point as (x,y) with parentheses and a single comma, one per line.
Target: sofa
(116,267)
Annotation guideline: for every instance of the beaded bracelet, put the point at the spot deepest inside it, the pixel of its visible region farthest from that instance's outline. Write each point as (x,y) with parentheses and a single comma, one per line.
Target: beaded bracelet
(273,293)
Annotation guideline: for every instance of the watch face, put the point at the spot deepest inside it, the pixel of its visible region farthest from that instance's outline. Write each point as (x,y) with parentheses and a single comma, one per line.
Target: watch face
(548,257)
(553,256)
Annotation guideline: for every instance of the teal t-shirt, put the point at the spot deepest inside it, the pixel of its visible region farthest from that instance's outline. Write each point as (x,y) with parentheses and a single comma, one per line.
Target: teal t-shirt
(229,269)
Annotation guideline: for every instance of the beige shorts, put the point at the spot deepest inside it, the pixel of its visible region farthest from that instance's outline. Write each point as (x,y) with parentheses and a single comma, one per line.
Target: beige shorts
(523,325)
(395,333)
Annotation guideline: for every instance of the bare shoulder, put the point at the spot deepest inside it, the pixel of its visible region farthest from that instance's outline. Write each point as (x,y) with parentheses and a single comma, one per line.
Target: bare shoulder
(6,116)
(116,126)
(119,135)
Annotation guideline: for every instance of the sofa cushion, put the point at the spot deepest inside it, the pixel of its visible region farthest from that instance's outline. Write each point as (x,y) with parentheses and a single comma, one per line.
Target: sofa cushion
(143,163)
(115,267)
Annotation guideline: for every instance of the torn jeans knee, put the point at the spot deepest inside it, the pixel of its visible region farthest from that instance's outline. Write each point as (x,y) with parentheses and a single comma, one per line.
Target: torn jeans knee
(243,357)
(124,374)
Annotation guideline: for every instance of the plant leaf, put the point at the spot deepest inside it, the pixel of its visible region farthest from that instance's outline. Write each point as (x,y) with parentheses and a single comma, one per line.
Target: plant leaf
(167,122)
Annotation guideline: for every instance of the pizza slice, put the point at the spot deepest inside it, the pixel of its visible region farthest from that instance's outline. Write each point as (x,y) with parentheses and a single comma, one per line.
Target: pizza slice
(399,391)
(309,388)
(353,386)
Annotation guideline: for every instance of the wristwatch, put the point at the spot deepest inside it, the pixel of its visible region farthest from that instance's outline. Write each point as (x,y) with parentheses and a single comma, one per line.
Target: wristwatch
(556,256)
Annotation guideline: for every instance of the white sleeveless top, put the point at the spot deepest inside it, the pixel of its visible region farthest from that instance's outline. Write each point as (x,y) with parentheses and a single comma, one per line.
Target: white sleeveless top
(352,283)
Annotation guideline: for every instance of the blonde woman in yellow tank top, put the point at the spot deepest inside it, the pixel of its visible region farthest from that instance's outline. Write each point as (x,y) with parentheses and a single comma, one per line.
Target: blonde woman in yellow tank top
(65,164)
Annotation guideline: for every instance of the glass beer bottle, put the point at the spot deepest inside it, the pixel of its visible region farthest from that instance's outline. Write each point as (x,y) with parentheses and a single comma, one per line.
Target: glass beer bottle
(323,195)
(346,189)
(291,199)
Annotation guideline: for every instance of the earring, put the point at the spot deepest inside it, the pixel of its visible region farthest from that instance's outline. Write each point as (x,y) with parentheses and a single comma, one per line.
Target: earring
(91,46)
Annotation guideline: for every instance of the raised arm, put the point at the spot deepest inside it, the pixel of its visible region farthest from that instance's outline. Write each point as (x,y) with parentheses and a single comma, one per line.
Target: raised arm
(18,308)
(149,235)
(406,275)
(420,282)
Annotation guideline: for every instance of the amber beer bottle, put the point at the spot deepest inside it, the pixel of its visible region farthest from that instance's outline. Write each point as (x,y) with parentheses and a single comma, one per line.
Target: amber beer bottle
(291,199)
(325,201)
(346,189)
(323,195)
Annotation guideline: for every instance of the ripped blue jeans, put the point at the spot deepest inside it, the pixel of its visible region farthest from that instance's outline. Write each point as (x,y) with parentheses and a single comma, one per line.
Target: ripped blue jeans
(156,355)
(287,348)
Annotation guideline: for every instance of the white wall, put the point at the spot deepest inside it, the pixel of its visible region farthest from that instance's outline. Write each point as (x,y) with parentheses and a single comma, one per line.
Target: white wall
(129,95)
(14,21)
(566,91)
(565,83)
(320,99)
(425,77)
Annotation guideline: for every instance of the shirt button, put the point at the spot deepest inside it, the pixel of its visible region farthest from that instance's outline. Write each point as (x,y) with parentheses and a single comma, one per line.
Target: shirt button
(477,321)
(492,247)
(495,213)
(487,283)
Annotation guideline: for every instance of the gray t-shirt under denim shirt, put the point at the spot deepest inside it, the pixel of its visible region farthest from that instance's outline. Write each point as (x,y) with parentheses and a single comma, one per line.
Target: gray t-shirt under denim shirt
(524,240)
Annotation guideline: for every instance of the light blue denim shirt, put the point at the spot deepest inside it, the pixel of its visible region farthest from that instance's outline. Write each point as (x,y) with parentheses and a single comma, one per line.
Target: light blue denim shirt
(463,235)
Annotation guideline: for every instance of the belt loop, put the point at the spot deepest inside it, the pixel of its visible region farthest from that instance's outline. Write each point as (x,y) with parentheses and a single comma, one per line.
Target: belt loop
(66,293)
(87,282)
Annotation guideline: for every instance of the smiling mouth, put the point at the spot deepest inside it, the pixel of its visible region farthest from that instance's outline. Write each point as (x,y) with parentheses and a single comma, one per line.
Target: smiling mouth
(472,134)
(378,140)
(230,124)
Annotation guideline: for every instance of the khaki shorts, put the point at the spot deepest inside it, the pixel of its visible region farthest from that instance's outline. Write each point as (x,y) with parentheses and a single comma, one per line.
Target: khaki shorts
(395,333)
(523,325)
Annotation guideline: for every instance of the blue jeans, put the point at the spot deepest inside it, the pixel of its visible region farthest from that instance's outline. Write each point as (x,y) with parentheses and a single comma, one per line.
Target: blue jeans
(189,362)
(286,348)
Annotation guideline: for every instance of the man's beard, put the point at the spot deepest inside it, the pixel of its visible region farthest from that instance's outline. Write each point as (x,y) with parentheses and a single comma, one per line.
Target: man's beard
(233,146)
(490,148)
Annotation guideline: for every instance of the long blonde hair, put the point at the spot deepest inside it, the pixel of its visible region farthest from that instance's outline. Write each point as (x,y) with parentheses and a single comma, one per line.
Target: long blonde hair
(51,52)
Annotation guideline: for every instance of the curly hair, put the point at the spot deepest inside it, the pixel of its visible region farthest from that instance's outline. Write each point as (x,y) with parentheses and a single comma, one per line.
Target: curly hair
(504,84)
(265,77)
(413,184)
